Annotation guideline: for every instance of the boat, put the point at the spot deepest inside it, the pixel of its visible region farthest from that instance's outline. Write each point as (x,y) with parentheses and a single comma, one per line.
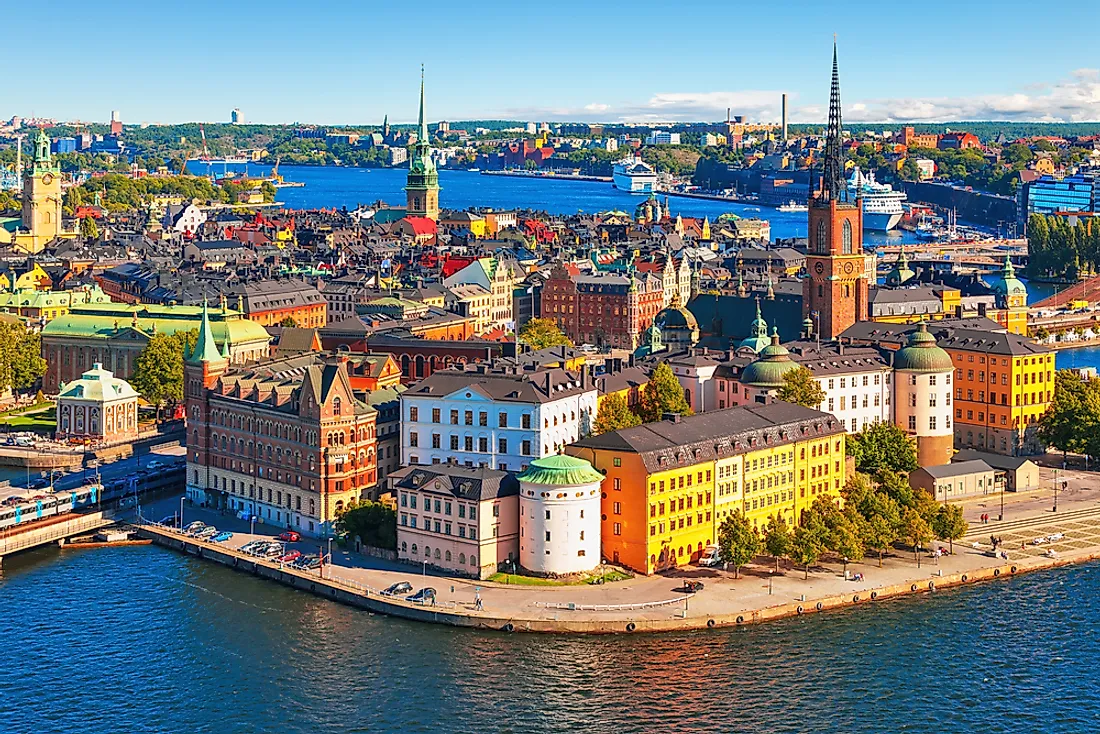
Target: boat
(473,170)
(793,206)
(882,206)
(634,176)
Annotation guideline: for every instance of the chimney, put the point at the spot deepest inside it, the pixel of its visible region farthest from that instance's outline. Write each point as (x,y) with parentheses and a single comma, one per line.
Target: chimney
(784,118)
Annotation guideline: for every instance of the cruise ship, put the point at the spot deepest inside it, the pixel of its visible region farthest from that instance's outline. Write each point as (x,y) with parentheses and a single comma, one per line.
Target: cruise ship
(882,208)
(634,176)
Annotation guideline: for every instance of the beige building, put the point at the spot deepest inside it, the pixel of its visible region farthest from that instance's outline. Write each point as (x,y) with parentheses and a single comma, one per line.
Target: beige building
(97,407)
(499,278)
(473,302)
(463,520)
(956,481)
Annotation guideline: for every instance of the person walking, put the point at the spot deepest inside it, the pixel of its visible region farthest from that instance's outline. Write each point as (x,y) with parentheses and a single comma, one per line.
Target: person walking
(477,601)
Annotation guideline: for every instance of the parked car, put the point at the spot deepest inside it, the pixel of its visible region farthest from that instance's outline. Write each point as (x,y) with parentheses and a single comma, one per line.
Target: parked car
(207,533)
(308,563)
(171,521)
(290,556)
(290,536)
(711,556)
(221,537)
(401,587)
(273,549)
(194,527)
(251,546)
(154,464)
(40,483)
(424,596)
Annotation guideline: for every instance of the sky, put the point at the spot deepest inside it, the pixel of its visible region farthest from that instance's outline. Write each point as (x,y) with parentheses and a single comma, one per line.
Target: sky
(342,62)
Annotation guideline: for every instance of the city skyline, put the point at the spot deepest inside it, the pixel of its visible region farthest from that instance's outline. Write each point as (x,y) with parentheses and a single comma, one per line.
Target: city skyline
(946,71)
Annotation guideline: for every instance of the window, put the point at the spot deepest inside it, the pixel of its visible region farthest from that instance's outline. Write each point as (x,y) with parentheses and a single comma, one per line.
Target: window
(912,423)
(525,448)
(932,422)
(414,439)
(846,234)
(617,509)
(525,420)
(454,443)
(414,413)
(454,417)
(436,438)
(436,415)
(469,417)
(618,529)
(483,419)
(502,445)
(483,444)
(502,420)
(469,443)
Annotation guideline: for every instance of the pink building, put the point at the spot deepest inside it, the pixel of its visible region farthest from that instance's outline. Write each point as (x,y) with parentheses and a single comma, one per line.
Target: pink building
(463,520)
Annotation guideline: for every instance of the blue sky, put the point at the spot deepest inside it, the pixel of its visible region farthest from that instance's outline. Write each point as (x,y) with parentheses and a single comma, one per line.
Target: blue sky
(348,62)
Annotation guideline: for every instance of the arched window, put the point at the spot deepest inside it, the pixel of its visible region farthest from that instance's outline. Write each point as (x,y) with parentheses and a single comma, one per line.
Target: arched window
(427,551)
(846,233)
(413,548)
(822,245)
(473,560)
(405,547)
(448,557)
(462,558)
(336,406)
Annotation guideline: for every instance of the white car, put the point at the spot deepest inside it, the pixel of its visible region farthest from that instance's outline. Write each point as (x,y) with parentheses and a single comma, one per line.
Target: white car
(711,556)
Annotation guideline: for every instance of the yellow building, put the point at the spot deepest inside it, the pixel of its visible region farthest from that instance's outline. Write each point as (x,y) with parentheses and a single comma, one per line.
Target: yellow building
(42,306)
(34,279)
(41,221)
(669,485)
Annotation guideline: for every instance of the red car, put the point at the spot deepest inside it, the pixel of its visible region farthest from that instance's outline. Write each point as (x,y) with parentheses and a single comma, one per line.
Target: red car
(290,536)
(291,556)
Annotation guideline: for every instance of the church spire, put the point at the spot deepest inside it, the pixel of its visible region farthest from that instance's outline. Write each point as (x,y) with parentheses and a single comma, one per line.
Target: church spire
(423,126)
(205,348)
(832,184)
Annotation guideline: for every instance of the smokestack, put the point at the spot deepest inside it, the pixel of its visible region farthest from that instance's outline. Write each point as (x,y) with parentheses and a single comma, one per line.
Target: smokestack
(784,115)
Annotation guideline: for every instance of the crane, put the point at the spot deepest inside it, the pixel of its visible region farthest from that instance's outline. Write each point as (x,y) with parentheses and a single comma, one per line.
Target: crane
(205,150)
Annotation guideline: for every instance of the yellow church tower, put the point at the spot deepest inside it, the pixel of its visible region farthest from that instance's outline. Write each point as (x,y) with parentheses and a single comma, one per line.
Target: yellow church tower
(41,200)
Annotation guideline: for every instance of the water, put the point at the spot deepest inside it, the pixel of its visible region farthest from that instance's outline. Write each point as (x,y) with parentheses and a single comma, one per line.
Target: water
(145,640)
(335,187)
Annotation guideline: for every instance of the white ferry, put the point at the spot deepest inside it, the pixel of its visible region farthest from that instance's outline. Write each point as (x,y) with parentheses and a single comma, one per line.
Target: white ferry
(793,206)
(634,176)
(882,208)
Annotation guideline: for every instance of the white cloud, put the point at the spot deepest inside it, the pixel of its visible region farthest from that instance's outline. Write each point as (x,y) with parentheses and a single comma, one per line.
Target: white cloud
(1073,99)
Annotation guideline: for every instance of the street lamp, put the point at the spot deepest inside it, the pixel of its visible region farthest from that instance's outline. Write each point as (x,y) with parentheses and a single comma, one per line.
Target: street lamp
(181,512)
(1056,490)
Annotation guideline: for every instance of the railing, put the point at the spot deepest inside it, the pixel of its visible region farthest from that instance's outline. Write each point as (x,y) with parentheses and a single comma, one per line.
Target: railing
(52,533)
(570,606)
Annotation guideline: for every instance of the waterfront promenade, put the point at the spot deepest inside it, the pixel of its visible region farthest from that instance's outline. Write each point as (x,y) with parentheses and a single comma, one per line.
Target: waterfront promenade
(656,604)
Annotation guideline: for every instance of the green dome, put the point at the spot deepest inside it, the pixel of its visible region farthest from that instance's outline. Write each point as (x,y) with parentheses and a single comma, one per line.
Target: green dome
(922,355)
(560,471)
(771,367)
(757,340)
(1008,284)
(675,316)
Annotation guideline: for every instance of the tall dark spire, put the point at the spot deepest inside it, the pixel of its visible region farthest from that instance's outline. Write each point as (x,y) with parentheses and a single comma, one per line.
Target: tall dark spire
(833,185)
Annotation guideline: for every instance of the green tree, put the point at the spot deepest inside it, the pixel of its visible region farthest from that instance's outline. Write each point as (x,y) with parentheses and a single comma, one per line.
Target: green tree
(288,321)
(737,541)
(89,230)
(541,333)
(613,414)
(800,387)
(662,394)
(882,446)
(158,368)
(948,524)
(374,523)
(777,539)
(21,362)
(1073,413)
(805,548)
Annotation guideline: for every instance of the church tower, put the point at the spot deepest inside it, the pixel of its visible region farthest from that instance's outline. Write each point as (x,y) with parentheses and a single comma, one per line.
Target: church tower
(835,291)
(422,185)
(41,199)
(201,369)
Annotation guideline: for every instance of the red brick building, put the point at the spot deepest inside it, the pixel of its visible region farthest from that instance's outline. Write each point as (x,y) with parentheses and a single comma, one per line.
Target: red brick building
(959,141)
(288,440)
(602,309)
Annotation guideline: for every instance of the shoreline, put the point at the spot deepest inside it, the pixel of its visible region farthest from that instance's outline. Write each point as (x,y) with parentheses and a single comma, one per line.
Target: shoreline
(602,622)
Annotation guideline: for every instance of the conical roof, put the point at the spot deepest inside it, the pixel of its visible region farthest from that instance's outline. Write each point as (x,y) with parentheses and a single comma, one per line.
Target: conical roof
(205,348)
(560,471)
(921,354)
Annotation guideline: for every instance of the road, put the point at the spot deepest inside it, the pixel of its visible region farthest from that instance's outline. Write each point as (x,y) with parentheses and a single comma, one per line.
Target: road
(115,470)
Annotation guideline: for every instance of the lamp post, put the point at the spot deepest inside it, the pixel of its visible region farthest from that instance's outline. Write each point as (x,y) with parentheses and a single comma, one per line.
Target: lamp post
(181,514)
(1056,490)
(1001,516)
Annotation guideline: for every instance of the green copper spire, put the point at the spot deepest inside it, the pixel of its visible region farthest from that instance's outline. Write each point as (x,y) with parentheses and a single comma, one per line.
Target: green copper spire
(43,161)
(205,348)
(423,127)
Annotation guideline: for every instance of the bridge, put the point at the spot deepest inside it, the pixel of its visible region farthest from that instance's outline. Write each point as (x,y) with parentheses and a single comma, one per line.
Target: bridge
(1085,290)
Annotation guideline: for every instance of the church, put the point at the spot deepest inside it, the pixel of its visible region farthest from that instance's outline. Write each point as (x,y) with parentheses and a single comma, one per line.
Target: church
(41,220)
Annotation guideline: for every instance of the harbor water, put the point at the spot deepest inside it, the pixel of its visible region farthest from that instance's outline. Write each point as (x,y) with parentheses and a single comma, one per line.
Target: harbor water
(143,639)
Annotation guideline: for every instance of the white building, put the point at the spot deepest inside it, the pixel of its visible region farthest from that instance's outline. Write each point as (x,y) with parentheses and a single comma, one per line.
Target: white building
(923,397)
(663,137)
(497,417)
(559,516)
(97,407)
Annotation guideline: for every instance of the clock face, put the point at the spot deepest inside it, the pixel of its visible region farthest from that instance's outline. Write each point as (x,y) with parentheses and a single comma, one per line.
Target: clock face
(848,268)
(819,268)
(47,178)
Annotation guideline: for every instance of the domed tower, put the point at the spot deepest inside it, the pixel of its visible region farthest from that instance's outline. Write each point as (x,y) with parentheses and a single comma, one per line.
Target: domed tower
(757,339)
(679,328)
(559,515)
(922,396)
(766,374)
(901,271)
(1011,299)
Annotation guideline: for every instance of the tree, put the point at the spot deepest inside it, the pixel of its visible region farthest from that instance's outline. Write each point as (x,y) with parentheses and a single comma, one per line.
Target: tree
(805,548)
(21,362)
(288,321)
(948,524)
(882,446)
(374,523)
(662,394)
(915,530)
(613,414)
(800,387)
(88,228)
(158,368)
(737,541)
(541,333)
(882,518)
(1072,414)
(777,539)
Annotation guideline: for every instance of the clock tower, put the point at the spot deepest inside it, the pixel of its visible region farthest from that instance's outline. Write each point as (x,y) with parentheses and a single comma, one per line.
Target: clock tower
(41,199)
(835,291)
(422,183)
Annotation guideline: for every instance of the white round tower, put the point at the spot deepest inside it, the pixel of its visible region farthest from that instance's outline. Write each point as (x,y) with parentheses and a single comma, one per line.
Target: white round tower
(559,516)
(922,396)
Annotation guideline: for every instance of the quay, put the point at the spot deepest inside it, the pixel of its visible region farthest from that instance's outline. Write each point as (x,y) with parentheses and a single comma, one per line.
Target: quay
(654,604)
(549,176)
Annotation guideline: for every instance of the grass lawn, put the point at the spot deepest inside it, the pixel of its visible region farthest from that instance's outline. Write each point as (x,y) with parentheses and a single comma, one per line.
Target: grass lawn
(517,580)
(43,419)
(26,408)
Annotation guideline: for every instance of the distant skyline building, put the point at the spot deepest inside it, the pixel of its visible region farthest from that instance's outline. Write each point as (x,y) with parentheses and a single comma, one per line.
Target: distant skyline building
(236,116)
(116,123)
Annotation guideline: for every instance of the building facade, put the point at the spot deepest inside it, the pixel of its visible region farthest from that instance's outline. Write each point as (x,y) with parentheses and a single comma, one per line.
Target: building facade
(498,417)
(605,310)
(98,407)
(286,441)
(559,516)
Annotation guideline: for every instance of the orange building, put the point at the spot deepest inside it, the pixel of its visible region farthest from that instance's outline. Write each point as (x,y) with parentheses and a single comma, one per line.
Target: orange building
(271,302)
